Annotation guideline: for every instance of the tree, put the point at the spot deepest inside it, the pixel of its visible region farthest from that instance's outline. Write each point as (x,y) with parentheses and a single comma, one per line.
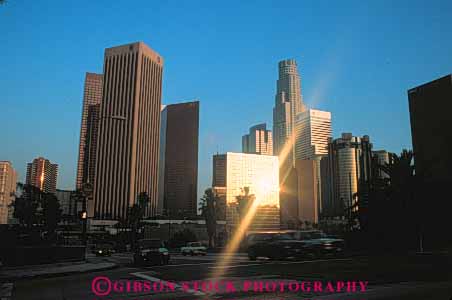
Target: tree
(209,204)
(136,214)
(386,207)
(51,212)
(26,204)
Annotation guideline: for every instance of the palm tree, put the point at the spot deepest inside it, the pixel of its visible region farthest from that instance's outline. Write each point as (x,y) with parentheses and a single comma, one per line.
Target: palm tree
(208,211)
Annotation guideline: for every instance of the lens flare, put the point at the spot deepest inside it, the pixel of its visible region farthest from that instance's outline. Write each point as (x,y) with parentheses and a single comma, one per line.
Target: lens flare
(265,187)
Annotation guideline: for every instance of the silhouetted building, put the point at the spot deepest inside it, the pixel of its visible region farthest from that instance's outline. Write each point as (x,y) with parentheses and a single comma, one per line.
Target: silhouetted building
(179,155)
(42,174)
(258,141)
(92,98)
(8,181)
(129,128)
(430,116)
(430,108)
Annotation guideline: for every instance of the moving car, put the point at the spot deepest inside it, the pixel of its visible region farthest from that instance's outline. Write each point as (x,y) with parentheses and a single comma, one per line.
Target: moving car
(320,244)
(193,248)
(151,251)
(274,246)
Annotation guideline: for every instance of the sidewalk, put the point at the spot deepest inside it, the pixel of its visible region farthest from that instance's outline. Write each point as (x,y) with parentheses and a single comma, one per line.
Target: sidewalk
(52,270)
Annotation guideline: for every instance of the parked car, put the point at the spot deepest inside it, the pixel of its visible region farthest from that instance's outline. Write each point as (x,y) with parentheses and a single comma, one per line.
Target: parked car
(193,248)
(274,246)
(320,244)
(151,251)
(103,249)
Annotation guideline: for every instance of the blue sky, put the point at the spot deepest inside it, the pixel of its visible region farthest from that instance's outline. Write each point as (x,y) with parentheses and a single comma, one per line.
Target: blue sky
(356,58)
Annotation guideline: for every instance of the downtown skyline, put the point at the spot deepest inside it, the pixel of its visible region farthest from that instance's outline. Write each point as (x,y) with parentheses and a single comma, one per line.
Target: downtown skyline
(56,137)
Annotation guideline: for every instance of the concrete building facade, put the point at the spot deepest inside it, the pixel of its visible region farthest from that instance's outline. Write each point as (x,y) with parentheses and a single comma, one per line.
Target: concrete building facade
(179,156)
(8,181)
(288,103)
(92,97)
(348,163)
(129,128)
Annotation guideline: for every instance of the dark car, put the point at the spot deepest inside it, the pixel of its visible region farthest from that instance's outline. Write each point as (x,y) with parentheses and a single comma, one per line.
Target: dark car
(274,246)
(320,244)
(151,251)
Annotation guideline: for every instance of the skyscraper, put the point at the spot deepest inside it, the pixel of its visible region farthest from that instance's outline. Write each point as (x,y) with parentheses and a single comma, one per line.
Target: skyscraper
(312,130)
(129,127)
(92,98)
(8,180)
(288,103)
(430,107)
(42,174)
(301,197)
(258,173)
(348,163)
(179,140)
(258,141)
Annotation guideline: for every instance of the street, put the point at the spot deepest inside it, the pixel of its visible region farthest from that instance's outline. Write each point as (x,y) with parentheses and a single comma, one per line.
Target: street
(198,270)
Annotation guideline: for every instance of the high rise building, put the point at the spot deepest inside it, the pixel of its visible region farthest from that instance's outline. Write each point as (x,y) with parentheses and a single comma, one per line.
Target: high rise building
(259,173)
(312,131)
(179,157)
(430,107)
(8,181)
(258,141)
(348,163)
(288,103)
(42,174)
(92,97)
(129,128)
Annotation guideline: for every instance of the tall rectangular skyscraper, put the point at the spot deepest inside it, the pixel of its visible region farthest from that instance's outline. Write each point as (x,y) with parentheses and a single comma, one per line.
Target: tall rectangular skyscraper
(42,174)
(312,130)
(129,127)
(288,103)
(92,98)
(258,141)
(179,156)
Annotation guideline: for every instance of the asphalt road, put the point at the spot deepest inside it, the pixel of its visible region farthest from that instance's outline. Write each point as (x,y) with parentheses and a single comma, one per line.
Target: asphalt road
(184,273)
